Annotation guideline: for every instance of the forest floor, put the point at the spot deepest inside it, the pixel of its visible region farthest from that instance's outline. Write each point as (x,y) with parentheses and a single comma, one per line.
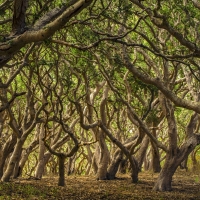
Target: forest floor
(185,185)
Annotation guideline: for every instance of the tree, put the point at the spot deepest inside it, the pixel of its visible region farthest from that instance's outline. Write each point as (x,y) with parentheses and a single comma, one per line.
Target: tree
(122,73)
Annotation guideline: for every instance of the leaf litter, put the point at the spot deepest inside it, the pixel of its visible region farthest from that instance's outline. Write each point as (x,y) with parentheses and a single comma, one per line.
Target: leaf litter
(185,186)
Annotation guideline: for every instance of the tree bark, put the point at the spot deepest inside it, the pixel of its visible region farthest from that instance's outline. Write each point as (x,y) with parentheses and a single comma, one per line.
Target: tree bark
(17,168)
(40,169)
(133,162)
(61,181)
(14,158)
(18,23)
(155,161)
(118,158)
(25,155)
(142,152)
(164,180)
(41,165)
(113,168)
(175,155)
(104,158)
(7,149)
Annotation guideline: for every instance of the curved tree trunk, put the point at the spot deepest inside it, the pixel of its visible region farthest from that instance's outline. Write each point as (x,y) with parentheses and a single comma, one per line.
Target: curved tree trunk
(142,152)
(183,164)
(25,155)
(7,149)
(113,168)
(14,158)
(123,166)
(104,155)
(172,162)
(118,158)
(95,160)
(175,155)
(133,162)
(17,168)
(164,180)
(41,165)
(103,161)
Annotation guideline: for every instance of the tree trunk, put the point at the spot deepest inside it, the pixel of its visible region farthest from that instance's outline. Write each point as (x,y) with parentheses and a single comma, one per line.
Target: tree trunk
(134,169)
(183,164)
(133,162)
(142,152)
(118,158)
(7,149)
(41,165)
(14,158)
(42,162)
(164,180)
(155,161)
(172,162)
(195,164)
(25,156)
(123,166)
(103,161)
(18,23)
(113,168)
(94,162)
(70,165)
(104,156)
(17,170)
(42,148)
(61,181)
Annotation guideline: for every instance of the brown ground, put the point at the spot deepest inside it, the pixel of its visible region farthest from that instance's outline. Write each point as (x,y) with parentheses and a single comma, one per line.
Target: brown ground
(185,186)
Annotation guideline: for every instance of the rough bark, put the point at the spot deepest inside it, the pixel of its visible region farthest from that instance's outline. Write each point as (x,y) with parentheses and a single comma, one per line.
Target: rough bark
(25,154)
(19,14)
(175,155)
(39,169)
(95,160)
(113,167)
(133,162)
(118,158)
(14,158)
(155,161)
(164,180)
(142,152)
(61,181)
(42,163)
(17,168)
(6,150)
(70,165)
(104,156)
